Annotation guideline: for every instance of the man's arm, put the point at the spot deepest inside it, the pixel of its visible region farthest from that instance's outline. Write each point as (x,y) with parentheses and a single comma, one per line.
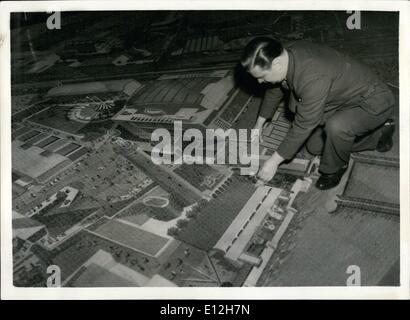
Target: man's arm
(309,114)
(270,102)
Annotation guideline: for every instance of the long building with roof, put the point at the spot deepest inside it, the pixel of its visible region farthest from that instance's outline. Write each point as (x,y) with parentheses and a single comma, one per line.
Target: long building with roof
(195,99)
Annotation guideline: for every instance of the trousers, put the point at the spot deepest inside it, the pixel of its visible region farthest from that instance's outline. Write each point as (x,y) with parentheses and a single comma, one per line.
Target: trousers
(344,132)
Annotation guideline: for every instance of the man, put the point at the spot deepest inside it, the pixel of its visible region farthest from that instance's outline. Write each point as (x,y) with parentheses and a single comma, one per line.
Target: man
(340,105)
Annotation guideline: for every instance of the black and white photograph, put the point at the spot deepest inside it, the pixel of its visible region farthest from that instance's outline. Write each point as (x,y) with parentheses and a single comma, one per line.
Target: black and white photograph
(203,148)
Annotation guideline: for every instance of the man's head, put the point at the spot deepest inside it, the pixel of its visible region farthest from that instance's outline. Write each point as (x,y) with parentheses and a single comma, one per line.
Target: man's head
(265,59)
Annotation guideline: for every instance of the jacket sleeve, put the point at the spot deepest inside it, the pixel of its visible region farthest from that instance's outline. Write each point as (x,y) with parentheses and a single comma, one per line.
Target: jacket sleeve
(308,115)
(270,102)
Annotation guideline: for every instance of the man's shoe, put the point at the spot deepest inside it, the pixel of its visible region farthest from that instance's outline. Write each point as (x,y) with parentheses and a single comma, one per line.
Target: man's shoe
(386,140)
(328,181)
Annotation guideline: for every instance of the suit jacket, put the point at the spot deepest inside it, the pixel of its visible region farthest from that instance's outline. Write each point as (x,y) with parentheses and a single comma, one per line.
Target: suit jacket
(322,80)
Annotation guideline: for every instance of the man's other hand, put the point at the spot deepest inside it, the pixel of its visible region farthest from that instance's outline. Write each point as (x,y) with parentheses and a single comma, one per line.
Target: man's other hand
(269,168)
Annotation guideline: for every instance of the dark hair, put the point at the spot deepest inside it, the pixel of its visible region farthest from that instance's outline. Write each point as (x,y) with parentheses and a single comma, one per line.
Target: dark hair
(260,52)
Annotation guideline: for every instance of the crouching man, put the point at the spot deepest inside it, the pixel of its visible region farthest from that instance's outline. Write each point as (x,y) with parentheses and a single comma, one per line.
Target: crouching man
(340,105)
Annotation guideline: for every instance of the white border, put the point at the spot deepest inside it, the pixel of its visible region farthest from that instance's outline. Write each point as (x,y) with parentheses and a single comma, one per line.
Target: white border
(10,292)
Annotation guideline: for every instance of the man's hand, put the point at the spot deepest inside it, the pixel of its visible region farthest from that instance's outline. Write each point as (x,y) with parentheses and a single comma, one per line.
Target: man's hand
(258,126)
(267,172)
(256,135)
(269,168)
